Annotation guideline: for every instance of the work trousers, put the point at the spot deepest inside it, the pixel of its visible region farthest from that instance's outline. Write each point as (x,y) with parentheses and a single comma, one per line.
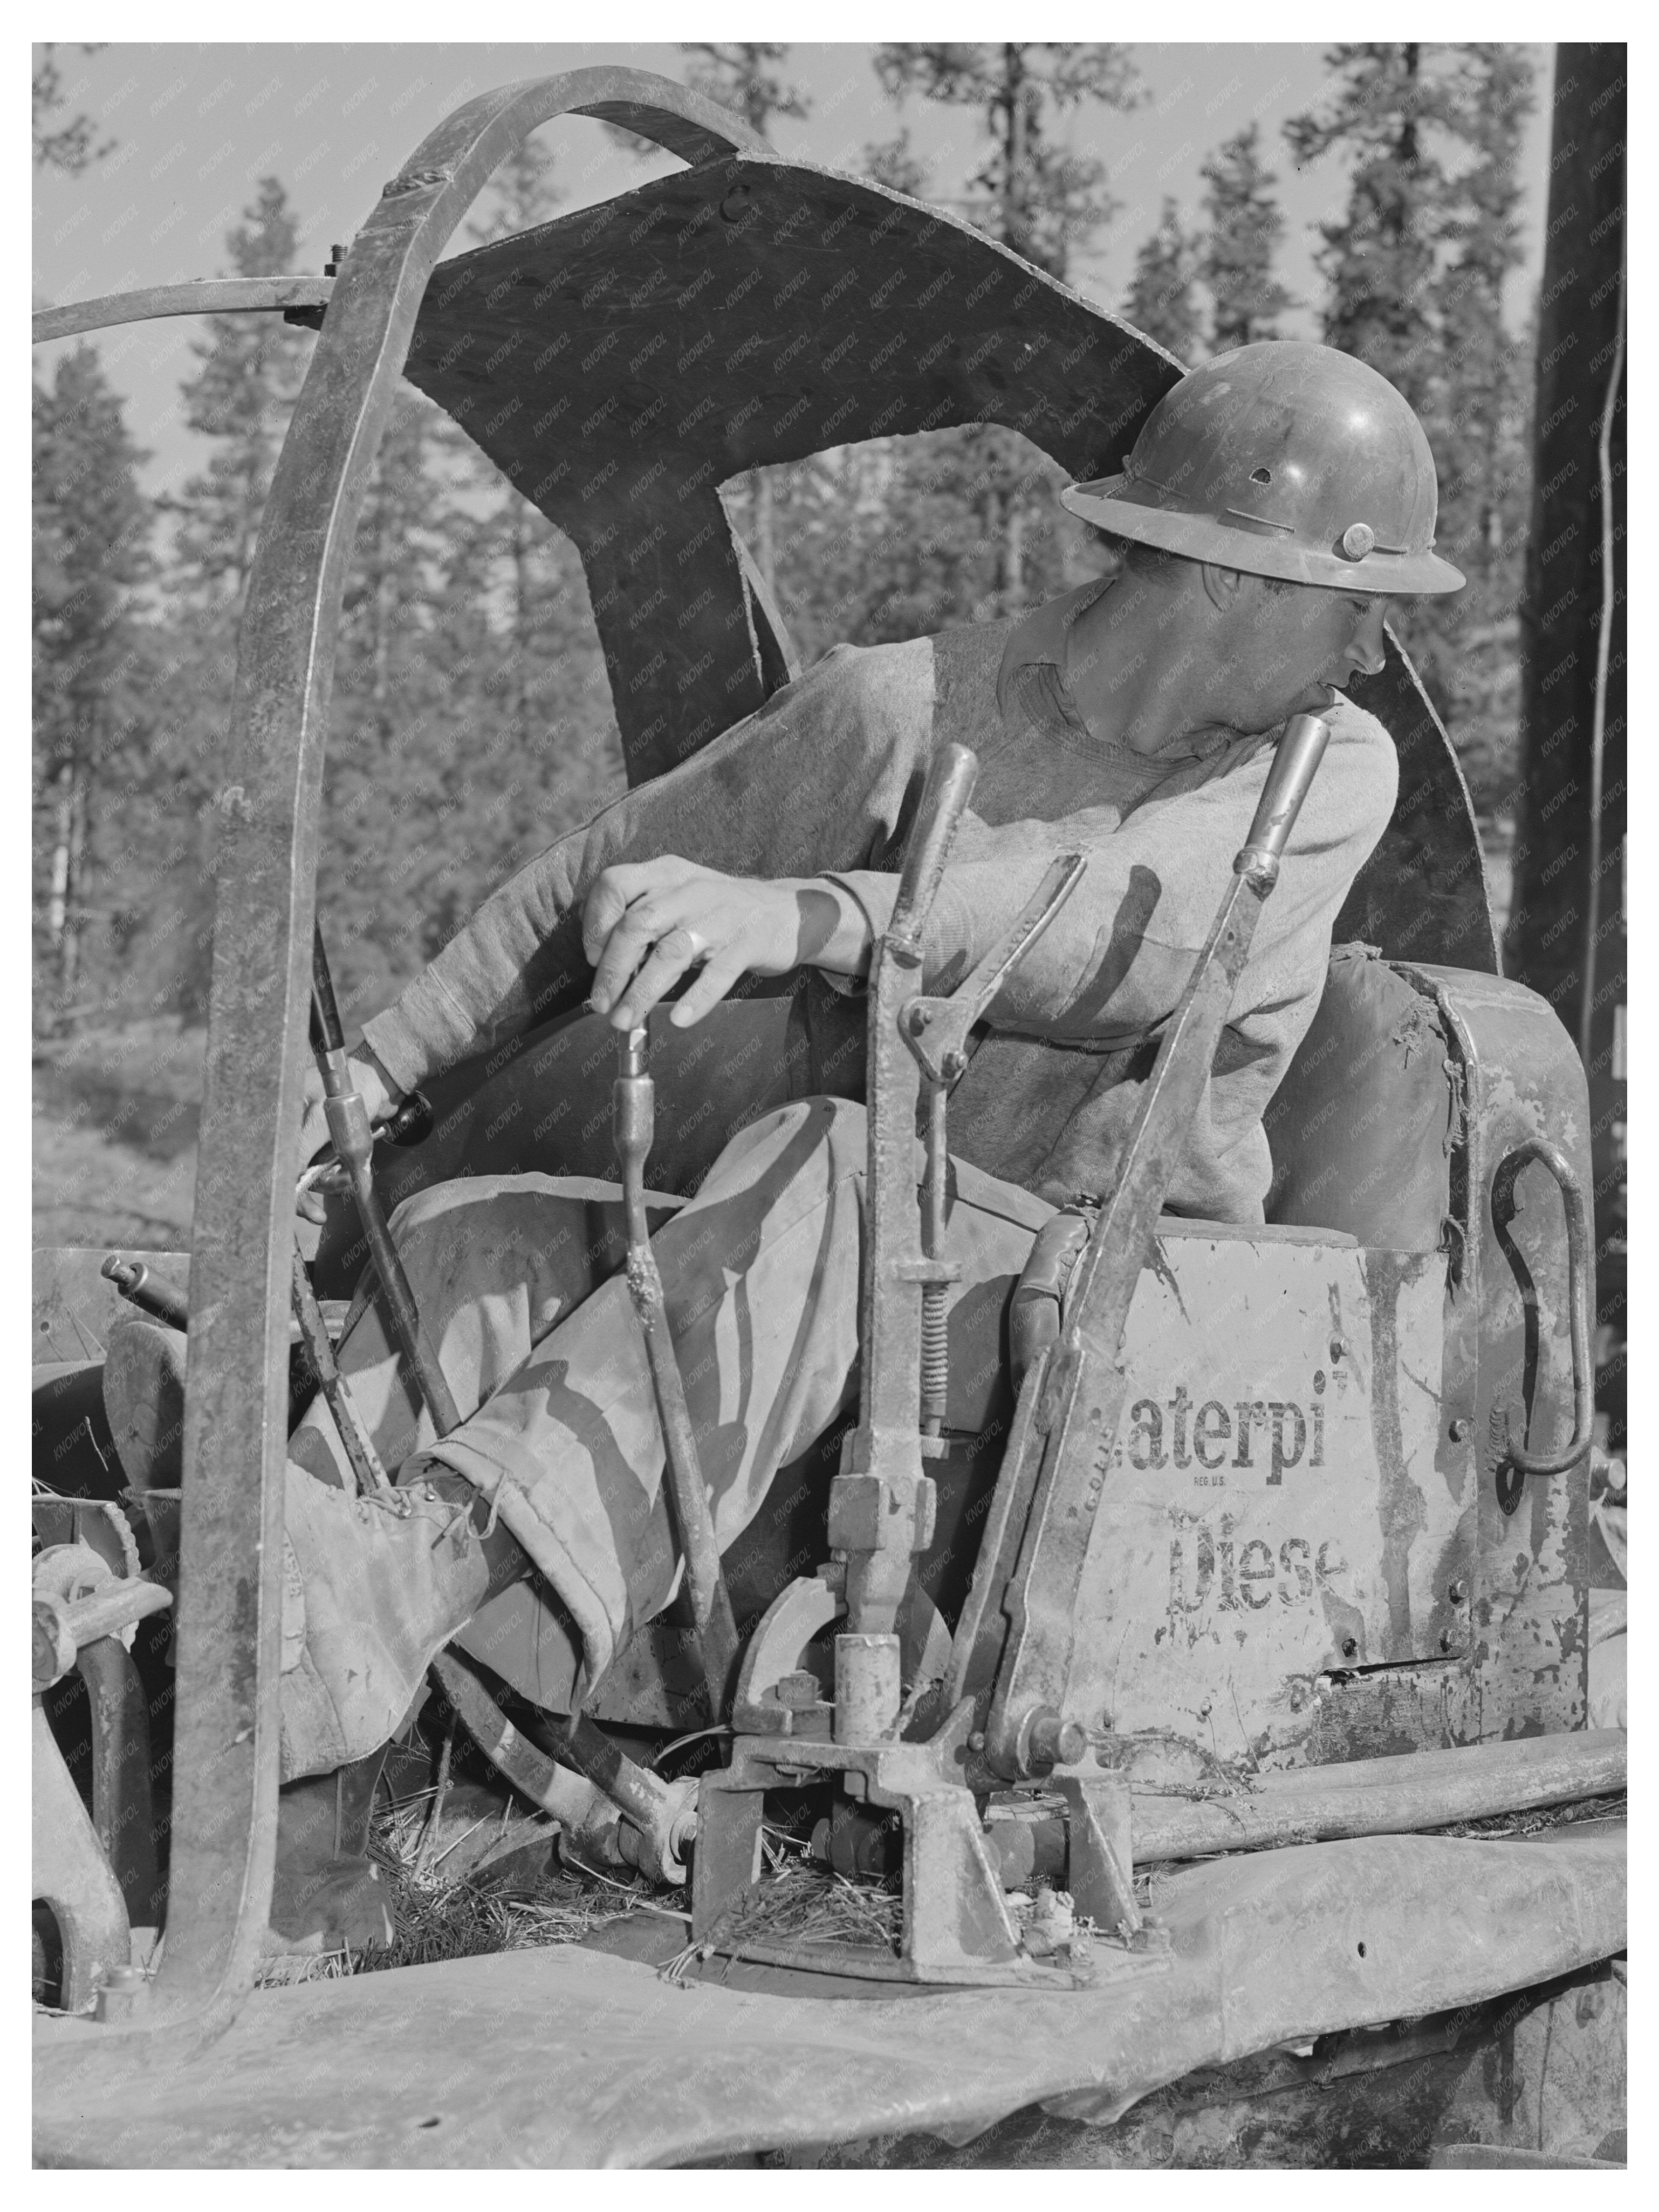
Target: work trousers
(516,1276)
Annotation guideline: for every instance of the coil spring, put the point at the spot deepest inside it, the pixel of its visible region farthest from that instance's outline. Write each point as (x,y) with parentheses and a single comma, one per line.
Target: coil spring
(935,1356)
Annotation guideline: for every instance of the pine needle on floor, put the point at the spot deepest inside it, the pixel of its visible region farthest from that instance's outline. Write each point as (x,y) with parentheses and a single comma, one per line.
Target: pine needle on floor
(439,1918)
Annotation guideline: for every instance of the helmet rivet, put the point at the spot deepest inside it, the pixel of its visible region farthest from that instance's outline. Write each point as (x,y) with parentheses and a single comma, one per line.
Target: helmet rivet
(1357,540)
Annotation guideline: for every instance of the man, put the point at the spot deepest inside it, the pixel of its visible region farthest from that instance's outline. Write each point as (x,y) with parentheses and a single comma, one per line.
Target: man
(1274,501)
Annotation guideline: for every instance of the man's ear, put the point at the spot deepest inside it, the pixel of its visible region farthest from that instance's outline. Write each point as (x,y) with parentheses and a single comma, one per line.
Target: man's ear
(1221,585)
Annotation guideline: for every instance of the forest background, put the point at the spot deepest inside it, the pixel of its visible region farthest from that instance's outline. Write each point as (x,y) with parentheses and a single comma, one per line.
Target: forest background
(471,721)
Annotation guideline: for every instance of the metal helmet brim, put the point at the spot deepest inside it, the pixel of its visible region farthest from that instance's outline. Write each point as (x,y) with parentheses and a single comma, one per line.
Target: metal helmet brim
(1117,504)
(1283,458)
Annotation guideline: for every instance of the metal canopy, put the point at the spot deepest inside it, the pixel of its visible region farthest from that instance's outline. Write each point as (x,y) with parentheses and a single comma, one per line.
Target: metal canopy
(621,363)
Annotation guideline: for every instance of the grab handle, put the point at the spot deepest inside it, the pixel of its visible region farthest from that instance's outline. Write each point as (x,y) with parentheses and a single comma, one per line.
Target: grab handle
(1583,1395)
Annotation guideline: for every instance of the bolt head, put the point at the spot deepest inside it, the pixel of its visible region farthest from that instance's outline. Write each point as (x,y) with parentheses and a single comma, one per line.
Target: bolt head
(1350,1647)
(976,1741)
(1457,1592)
(1357,541)
(1459,1429)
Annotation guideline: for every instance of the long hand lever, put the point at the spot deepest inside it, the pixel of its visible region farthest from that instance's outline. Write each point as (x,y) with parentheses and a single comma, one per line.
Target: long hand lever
(1081,1385)
(353,1145)
(633,1127)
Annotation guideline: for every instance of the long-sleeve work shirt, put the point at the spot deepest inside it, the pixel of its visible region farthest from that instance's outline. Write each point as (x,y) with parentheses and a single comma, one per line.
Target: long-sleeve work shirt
(822,780)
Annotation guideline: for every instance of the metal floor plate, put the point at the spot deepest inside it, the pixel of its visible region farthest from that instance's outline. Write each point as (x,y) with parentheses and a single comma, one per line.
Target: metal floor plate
(566,2058)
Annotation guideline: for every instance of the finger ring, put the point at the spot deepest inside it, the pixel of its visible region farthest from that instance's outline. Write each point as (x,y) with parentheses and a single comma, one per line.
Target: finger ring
(698,947)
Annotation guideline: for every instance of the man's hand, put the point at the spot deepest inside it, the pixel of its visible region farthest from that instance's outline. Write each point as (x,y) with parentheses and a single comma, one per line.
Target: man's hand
(379,1093)
(647,925)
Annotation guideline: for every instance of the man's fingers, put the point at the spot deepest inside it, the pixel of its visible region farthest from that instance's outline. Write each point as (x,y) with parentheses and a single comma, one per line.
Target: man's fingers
(677,950)
(710,988)
(644,925)
(619,888)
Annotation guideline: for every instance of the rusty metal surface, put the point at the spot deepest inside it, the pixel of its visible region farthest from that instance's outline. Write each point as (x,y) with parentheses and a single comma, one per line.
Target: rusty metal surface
(1361,1128)
(236,1403)
(73,1307)
(1413,1792)
(1530,1651)
(1274,1511)
(450,2066)
(122,1812)
(1504,1207)
(69,1871)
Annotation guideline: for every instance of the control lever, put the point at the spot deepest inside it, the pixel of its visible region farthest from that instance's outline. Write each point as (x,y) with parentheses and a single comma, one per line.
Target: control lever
(1072,1401)
(633,1128)
(353,1145)
(409,1124)
(882,1503)
(936,1031)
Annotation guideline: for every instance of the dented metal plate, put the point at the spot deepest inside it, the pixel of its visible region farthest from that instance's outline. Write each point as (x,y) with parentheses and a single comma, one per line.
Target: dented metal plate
(1283,1501)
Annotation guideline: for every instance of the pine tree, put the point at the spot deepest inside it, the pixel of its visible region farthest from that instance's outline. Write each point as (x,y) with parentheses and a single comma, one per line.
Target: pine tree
(520,538)
(1160,301)
(1031,194)
(1379,257)
(1034,196)
(1416,267)
(521,195)
(745,78)
(91,532)
(1236,260)
(252,369)
(895,163)
(71,144)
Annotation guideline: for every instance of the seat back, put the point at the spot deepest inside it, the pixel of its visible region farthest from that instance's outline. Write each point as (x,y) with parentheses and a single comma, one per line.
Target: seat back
(1361,1128)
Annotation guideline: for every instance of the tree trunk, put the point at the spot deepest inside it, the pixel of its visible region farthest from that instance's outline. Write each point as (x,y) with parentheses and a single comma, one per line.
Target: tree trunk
(63,918)
(1566,936)
(1013,189)
(520,625)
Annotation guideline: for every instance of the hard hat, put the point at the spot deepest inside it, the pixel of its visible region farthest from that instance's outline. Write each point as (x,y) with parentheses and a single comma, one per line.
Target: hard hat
(1285,459)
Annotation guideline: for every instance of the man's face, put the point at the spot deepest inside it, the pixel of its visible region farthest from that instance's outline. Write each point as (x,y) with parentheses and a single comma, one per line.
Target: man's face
(1287,650)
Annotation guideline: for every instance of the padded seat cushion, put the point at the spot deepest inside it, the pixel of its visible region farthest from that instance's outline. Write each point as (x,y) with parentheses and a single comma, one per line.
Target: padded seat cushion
(1361,1128)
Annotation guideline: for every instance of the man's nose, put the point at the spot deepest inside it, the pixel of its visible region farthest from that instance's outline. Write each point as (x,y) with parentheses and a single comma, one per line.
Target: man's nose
(1365,647)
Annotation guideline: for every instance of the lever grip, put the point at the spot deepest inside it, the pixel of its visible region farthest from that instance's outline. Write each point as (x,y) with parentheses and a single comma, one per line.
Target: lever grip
(412,1123)
(945,797)
(1294,764)
(326,1034)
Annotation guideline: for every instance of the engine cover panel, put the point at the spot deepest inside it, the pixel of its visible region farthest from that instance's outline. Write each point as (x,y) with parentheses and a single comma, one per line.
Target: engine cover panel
(1286,1498)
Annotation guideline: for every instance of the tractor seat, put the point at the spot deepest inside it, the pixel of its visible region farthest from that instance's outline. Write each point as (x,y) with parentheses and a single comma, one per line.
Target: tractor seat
(1361,1128)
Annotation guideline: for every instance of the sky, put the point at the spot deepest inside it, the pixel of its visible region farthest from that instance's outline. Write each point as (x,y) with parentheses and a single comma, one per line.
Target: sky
(196,125)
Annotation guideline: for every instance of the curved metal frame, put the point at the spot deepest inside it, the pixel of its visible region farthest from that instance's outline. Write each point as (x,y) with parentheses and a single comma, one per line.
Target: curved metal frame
(1583,1393)
(218,295)
(226,1753)
(231,1528)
